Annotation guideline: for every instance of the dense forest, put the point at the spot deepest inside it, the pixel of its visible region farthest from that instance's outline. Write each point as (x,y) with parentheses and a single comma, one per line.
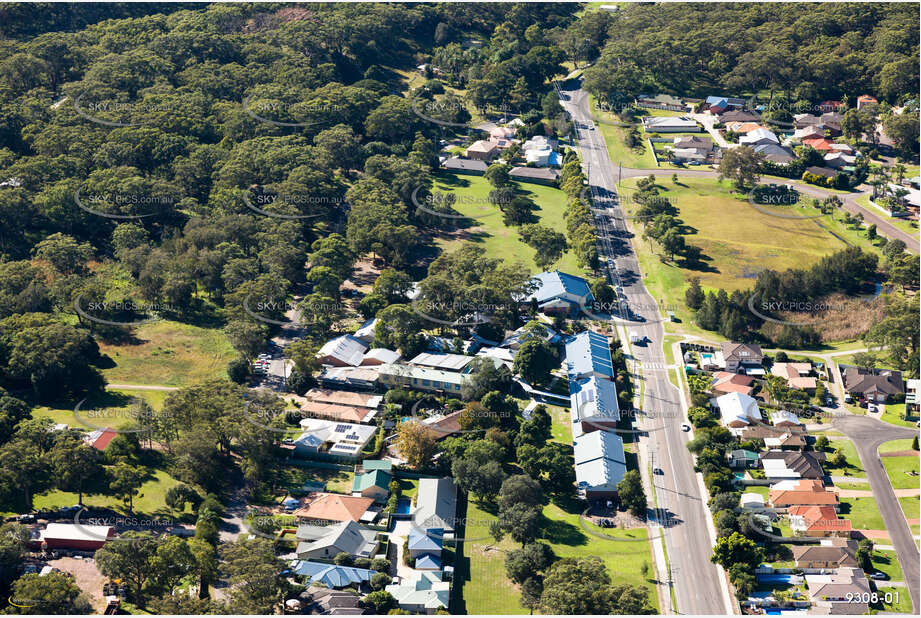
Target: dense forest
(807,52)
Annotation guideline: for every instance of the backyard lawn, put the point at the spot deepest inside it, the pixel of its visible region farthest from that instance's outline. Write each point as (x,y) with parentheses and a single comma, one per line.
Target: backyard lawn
(487,590)
(485,227)
(147,501)
(885,560)
(737,241)
(169,354)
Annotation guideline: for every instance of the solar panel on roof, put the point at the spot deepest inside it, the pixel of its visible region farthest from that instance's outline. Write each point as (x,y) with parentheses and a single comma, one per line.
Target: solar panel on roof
(341,428)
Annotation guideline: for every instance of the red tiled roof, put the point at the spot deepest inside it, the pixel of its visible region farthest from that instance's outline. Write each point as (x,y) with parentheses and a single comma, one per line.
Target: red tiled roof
(820,518)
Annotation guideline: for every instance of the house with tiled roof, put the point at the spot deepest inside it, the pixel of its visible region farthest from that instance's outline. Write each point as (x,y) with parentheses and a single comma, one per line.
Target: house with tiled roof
(796,375)
(806,492)
(744,357)
(325,542)
(328,507)
(818,521)
(785,442)
(100,438)
(793,464)
(878,385)
(866,99)
(757,137)
(724,382)
(831,553)
(821,144)
(842,592)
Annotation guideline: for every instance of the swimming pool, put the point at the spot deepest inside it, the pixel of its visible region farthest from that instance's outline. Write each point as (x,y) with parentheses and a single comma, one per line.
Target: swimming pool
(404,505)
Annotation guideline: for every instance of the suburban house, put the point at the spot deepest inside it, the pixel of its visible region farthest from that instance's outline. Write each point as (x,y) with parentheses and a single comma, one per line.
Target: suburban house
(505,133)
(660,101)
(724,382)
(719,105)
(691,148)
(738,115)
(743,128)
(372,484)
(912,399)
(785,442)
(877,386)
(99,439)
(866,99)
(804,492)
(793,465)
(353,378)
(593,404)
(737,411)
(842,592)
(326,601)
(326,542)
(810,131)
(559,292)
(327,507)
(775,153)
(344,351)
(801,121)
(600,463)
(482,150)
(588,354)
(523,333)
(82,537)
(472,167)
(818,521)
(327,437)
(436,505)
(829,554)
(839,160)
(830,106)
(347,406)
(751,501)
(365,332)
(821,144)
(444,425)
(536,175)
(423,593)
(540,151)
(421,378)
(758,137)
(746,357)
(423,543)
(784,419)
(331,575)
(796,374)
(743,458)
(669,124)
(442,360)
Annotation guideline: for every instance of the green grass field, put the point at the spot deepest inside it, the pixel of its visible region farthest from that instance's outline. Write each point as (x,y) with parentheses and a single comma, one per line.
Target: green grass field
(902,471)
(885,561)
(169,354)
(486,228)
(487,589)
(894,413)
(852,466)
(863,513)
(899,600)
(561,426)
(911,506)
(737,240)
(110,410)
(148,501)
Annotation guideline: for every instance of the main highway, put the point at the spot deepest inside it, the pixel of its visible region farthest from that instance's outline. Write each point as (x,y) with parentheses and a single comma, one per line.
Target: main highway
(699,585)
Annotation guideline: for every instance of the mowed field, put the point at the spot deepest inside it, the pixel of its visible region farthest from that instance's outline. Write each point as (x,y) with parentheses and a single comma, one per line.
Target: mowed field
(485,227)
(486,588)
(169,354)
(737,240)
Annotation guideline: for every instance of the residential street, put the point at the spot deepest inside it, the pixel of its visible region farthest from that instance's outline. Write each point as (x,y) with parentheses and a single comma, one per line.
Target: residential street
(700,587)
(868,434)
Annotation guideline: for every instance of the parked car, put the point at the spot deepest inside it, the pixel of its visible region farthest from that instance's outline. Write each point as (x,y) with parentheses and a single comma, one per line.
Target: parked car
(657,471)
(685,427)
(878,575)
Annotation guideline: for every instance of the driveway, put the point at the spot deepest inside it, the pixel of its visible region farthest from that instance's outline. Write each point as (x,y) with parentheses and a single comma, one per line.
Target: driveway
(868,434)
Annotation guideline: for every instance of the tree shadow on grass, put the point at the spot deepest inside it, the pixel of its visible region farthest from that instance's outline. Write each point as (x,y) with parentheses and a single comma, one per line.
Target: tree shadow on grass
(562,533)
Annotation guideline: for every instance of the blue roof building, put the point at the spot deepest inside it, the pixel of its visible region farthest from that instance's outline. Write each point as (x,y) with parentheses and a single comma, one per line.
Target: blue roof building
(587,355)
(331,575)
(427,562)
(422,542)
(593,405)
(560,292)
(600,463)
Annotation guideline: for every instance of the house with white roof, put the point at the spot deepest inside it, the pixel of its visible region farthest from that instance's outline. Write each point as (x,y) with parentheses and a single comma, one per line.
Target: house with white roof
(757,137)
(737,411)
(344,351)
(423,593)
(784,418)
(669,124)
(365,332)
(588,354)
(593,404)
(600,463)
(328,437)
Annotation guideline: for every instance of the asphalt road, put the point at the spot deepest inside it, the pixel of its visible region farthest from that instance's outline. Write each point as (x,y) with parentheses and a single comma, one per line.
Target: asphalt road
(699,587)
(868,434)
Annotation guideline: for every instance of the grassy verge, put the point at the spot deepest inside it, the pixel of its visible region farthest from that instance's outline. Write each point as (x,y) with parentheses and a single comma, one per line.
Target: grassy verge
(911,506)
(894,413)
(906,225)
(852,465)
(902,471)
(169,354)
